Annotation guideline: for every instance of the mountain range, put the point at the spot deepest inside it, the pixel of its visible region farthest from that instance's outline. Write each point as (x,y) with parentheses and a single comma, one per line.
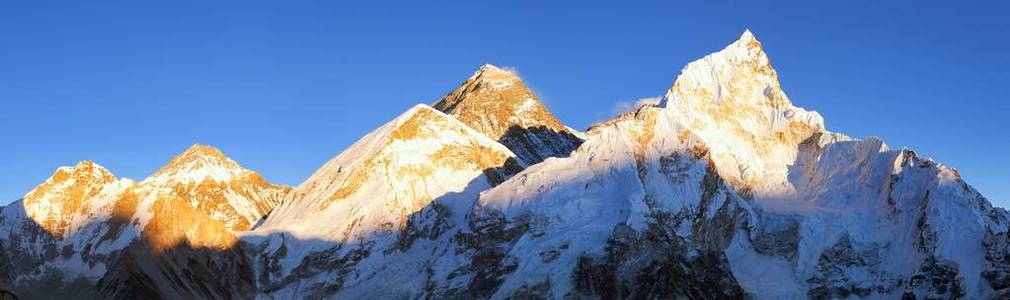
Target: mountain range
(722,190)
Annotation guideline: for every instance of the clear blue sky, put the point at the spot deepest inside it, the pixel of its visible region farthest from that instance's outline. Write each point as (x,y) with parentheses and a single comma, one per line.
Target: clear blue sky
(282,87)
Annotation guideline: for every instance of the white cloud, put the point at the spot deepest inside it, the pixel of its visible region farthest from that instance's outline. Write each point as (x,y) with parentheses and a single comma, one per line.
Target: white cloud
(625,106)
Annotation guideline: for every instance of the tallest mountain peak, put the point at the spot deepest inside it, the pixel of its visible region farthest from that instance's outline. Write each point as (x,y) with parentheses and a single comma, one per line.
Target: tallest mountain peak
(497,103)
(493,77)
(489,68)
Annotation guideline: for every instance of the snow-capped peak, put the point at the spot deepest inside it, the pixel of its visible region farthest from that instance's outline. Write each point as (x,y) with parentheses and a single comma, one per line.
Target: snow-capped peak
(748,48)
(492,69)
(83,174)
(733,100)
(747,36)
(217,186)
(726,190)
(420,127)
(63,202)
(495,77)
(82,170)
(198,152)
(391,172)
(198,163)
(492,100)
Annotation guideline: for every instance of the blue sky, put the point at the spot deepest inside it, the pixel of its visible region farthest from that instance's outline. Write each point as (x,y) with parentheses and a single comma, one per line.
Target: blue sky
(282,87)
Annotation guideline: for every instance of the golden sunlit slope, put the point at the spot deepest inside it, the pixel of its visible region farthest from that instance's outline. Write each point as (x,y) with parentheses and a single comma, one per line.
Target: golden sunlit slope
(498,104)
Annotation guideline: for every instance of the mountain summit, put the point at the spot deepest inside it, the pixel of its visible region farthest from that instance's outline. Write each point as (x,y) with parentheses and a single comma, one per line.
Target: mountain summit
(197,163)
(122,236)
(722,190)
(62,203)
(216,184)
(396,170)
(498,104)
(733,100)
(727,190)
(401,186)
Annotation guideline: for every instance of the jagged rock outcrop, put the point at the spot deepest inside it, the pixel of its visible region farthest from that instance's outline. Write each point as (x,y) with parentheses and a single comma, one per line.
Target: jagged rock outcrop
(498,104)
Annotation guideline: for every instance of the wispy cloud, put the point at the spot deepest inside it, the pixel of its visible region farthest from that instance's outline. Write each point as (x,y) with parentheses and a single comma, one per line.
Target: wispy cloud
(624,106)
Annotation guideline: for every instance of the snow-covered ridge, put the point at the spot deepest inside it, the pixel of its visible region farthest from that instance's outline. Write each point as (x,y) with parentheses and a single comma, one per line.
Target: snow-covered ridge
(497,78)
(394,188)
(85,193)
(403,164)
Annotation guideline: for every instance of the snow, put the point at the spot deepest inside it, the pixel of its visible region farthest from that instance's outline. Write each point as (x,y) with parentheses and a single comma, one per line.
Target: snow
(193,166)
(834,185)
(528,104)
(77,203)
(733,101)
(724,137)
(765,277)
(843,189)
(402,180)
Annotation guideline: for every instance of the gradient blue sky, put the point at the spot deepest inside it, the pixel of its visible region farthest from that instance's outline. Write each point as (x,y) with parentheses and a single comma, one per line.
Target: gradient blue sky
(282,87)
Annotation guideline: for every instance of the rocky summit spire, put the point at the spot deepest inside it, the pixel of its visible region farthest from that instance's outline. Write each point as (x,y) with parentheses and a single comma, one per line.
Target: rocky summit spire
(497,103)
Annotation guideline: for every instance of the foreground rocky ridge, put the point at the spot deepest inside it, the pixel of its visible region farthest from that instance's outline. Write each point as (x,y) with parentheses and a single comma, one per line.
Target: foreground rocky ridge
(724,189)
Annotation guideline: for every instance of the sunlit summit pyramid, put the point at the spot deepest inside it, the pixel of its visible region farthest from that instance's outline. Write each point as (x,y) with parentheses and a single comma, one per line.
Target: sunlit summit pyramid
(498,104)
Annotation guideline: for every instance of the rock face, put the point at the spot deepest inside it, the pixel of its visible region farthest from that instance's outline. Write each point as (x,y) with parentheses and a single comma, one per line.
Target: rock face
(497,103)
(84,232)
(724,189)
